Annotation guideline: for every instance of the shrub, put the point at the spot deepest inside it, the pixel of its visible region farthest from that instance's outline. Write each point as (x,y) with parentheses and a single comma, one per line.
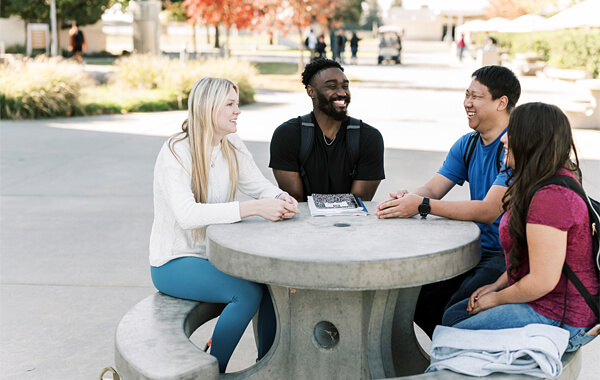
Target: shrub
(55,87)
(152,72)
(578,49)
(40,88)
(565,49)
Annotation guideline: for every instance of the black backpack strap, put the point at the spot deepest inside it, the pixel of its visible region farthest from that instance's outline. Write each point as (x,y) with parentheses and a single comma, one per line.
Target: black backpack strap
(499,157)
(593,302)
(352,143)
(306,143)
(471,144)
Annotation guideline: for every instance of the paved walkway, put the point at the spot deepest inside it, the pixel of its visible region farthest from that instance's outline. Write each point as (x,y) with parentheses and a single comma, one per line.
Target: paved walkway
(76,206)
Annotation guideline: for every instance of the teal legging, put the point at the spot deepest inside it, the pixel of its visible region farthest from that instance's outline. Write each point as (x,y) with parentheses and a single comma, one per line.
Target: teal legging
(197,279)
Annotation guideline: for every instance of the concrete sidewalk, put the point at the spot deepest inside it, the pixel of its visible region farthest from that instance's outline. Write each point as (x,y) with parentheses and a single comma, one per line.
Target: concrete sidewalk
(76,205)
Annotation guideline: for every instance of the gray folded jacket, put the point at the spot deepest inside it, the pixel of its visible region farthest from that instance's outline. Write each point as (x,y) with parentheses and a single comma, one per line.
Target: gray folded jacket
(533,350)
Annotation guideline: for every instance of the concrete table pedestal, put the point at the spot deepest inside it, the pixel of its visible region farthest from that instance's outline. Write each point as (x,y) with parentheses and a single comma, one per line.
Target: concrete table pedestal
(336,284)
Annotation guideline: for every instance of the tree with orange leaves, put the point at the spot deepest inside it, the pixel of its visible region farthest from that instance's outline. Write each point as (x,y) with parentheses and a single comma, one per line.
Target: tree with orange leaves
(241,13)
(297,15)
(512,9)
(284,15)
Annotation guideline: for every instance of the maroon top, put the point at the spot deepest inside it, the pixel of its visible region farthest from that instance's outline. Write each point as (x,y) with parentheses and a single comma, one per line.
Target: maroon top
(561,208)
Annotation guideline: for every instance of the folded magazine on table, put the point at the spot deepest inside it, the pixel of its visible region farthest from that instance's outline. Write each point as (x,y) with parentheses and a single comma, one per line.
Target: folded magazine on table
(336,204)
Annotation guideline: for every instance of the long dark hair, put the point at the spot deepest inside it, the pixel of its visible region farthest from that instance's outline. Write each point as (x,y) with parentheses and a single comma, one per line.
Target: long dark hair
(541,143)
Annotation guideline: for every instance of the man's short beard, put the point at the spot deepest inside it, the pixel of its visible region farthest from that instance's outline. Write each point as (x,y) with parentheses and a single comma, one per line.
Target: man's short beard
(327,107)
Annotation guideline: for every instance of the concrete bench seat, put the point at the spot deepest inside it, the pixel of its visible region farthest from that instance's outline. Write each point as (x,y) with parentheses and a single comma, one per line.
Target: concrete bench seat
(585,113)
(571,367)
(152,343)
(152,340)
(571,75)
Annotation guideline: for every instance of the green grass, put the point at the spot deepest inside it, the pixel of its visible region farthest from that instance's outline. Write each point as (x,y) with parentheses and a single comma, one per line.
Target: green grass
(276,68)
(278,76)
(113,99)
(101,61)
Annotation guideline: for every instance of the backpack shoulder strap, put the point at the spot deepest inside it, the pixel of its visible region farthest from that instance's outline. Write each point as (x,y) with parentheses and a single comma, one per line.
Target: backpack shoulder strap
(499,157)
(353,142)
(471,144)
(306,142)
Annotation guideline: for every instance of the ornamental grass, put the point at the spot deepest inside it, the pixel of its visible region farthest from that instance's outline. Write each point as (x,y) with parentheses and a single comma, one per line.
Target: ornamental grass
(161,73)
(54,87)
(41,88)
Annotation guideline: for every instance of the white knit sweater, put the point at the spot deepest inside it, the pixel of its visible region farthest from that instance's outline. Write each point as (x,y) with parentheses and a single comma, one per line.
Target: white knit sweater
(176,212)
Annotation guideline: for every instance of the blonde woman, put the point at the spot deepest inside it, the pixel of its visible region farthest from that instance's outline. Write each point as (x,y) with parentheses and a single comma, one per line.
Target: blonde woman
(197,175)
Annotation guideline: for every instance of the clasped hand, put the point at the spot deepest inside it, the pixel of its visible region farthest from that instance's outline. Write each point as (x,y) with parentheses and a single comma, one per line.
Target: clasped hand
(284,207)
(482,299)
(401,204)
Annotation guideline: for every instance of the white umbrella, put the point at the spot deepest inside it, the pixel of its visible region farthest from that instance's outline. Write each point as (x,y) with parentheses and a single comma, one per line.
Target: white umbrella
(471,26)
(493,24)
(524,24)
(585,14)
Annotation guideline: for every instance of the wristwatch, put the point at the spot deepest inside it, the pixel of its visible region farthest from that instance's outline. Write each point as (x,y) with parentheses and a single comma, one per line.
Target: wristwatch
(424,208)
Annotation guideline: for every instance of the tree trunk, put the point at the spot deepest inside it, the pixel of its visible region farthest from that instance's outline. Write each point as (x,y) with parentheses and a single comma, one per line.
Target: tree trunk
(59,23)
(227,45)
(195,39)
(217,45)
(26,22)
(301,62)
(208,34)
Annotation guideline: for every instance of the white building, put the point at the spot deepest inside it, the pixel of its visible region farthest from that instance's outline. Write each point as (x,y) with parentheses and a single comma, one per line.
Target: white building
(432,20)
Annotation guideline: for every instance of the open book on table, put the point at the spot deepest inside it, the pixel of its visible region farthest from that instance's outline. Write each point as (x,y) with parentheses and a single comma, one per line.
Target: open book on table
(336,204)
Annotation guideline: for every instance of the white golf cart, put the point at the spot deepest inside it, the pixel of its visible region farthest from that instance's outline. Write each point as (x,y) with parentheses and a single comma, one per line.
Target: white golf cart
(390,44)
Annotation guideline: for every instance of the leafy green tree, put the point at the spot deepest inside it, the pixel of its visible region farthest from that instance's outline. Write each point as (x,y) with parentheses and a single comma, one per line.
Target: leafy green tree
(350,12)
(85,12)
(373,15)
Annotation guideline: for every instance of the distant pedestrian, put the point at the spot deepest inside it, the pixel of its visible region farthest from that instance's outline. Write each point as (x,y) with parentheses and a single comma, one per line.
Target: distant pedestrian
(341,42)
(354,47)
(76,42)
(311,43)
(461,47)
(490,44)
(320,48)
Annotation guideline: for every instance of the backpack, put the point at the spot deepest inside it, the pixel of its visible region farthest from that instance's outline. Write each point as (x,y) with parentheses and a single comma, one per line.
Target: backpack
(79,38)
(594,211)
(307,139)
(472,143)
(306,42)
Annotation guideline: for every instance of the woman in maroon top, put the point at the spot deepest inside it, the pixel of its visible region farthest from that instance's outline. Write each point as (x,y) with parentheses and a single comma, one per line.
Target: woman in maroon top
(537,236)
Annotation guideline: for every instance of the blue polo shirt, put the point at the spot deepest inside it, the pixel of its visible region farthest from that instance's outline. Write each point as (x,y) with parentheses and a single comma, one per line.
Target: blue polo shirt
(481,175)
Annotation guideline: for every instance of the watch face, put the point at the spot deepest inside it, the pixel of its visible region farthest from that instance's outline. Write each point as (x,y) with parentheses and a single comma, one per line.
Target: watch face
(424,209)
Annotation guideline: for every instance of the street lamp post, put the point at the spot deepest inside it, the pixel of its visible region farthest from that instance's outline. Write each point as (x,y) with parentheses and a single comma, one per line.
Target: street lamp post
(54,45)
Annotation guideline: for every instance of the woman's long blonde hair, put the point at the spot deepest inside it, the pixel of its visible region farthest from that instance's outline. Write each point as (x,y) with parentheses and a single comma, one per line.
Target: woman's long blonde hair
(207,98)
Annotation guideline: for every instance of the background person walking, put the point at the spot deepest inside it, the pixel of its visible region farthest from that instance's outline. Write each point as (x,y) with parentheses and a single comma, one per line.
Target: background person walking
(76,42)
(320,48)
(354,47)
(461,47)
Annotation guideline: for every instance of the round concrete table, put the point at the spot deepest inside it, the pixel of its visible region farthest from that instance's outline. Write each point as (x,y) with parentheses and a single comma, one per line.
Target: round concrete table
(336,284)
